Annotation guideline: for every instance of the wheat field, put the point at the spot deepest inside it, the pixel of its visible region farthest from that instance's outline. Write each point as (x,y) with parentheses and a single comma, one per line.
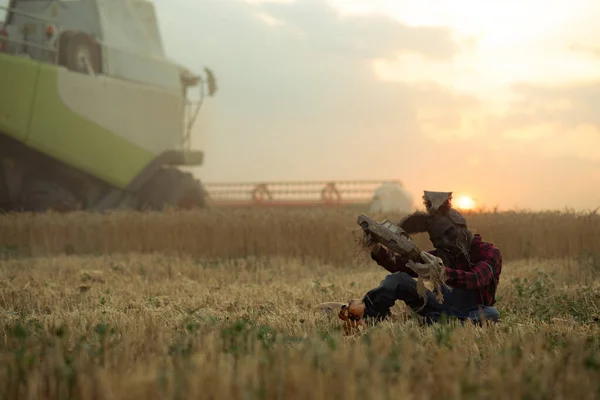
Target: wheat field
(220,305)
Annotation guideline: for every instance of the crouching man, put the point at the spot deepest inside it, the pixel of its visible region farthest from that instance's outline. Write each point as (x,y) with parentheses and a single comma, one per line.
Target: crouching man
(472,268)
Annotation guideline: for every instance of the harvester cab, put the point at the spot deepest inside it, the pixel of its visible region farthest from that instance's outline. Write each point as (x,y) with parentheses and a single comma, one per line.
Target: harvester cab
(118,111)
(111,37)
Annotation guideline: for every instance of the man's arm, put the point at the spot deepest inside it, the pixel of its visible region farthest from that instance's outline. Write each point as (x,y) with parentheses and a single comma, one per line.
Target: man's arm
(391,261)
(481,274)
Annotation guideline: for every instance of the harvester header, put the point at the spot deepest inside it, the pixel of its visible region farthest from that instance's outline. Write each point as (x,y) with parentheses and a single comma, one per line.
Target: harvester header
(300,194)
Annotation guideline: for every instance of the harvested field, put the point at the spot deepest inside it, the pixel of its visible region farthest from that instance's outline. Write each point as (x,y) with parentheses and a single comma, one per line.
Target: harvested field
(220,305)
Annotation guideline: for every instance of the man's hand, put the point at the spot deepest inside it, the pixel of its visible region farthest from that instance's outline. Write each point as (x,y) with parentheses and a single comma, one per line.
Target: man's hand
(377,247)
(423,269)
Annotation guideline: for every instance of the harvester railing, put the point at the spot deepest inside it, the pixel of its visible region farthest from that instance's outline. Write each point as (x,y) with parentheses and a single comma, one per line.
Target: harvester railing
(192,115)
(27,43)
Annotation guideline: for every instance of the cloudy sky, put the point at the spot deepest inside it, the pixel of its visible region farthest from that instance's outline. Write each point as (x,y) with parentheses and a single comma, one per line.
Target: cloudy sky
(497,100)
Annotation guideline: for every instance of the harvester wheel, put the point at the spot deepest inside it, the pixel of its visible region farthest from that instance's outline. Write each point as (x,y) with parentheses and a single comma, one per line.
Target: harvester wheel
(42,196)
(77,46)
(172,188)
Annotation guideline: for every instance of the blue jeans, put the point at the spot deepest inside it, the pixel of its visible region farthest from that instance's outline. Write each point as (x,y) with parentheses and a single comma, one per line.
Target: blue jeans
(459,303)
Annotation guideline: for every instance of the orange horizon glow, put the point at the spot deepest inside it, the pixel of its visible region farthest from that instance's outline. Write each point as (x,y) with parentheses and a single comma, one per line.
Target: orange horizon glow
(478,82)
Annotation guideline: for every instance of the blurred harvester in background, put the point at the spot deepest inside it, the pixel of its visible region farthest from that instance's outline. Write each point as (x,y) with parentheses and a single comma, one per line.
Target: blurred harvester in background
(93,114)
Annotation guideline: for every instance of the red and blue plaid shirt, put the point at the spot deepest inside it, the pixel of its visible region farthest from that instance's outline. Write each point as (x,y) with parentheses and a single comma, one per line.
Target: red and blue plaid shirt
(481,274)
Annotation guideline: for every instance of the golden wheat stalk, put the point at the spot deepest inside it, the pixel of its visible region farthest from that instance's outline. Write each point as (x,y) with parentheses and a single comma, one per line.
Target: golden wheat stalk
(437,279)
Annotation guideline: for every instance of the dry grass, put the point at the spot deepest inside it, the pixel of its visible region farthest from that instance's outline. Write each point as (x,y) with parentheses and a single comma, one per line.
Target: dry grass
(194,321)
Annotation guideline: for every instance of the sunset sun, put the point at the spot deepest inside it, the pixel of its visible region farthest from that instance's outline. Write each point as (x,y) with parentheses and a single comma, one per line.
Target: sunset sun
(465,203)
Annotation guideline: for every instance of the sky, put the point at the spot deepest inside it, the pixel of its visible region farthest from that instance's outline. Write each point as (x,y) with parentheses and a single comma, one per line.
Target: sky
(495,100)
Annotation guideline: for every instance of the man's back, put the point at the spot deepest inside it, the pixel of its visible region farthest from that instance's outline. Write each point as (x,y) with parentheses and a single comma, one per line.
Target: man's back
(480,271)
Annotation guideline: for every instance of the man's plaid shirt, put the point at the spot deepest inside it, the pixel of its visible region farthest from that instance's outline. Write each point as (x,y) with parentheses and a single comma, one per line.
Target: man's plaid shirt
(481,274)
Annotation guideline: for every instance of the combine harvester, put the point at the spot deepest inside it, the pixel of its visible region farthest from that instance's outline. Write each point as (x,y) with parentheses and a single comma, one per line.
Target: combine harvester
(372,196)
(93,115)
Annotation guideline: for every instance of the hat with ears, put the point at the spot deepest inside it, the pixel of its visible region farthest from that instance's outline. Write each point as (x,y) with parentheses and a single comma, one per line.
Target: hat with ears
(439,212)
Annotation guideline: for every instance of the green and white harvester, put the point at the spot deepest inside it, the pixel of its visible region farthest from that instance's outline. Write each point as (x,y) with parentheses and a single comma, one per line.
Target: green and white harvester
(93,114)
